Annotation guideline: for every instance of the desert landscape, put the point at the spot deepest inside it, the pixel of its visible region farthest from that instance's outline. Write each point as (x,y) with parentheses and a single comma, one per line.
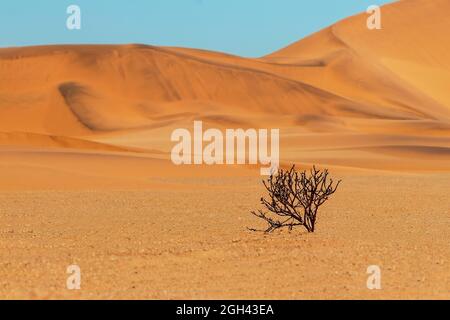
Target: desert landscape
(86,176)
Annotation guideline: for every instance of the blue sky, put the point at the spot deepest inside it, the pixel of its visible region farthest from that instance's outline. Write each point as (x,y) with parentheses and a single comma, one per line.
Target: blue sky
(245,27)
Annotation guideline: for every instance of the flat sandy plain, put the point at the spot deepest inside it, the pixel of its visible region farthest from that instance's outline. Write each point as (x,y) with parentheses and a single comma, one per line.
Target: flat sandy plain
(168,244)
(86,176)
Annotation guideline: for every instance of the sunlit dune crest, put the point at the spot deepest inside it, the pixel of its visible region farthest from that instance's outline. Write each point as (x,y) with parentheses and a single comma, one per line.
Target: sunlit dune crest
(368,99)
(87,178)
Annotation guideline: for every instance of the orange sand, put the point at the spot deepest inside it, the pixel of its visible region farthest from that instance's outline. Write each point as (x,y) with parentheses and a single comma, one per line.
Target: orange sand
(80,123)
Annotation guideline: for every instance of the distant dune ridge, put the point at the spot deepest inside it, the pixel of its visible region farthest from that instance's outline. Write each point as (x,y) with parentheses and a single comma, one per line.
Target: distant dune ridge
(86,176)
(346,96)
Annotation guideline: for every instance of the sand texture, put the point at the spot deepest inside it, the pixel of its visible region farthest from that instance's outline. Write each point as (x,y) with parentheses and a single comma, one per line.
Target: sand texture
(86,176)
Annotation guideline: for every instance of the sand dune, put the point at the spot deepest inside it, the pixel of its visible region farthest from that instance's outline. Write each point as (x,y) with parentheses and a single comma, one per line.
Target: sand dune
(387,85)
(48,141)
(386,66)
(86,176)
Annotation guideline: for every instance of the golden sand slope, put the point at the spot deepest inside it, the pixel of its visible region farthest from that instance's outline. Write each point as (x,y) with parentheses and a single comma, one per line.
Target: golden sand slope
(86,178)
(366,99)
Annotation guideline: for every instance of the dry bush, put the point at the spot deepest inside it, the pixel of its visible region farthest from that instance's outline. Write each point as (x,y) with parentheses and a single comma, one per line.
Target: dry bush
(295,198)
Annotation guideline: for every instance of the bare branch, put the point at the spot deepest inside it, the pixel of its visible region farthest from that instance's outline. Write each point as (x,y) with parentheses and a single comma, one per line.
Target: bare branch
(295,198)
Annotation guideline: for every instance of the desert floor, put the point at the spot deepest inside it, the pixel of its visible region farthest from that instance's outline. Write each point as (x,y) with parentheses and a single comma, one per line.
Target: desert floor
(193,243)
(86,176)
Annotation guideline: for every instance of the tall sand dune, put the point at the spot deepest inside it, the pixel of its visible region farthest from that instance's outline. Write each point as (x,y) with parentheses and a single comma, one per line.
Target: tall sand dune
(86,176)
(380,95)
